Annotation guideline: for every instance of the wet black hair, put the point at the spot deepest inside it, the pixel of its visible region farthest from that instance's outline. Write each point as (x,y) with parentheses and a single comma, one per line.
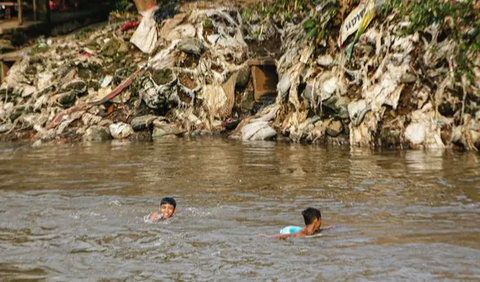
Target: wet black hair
(310,214)
(168,200)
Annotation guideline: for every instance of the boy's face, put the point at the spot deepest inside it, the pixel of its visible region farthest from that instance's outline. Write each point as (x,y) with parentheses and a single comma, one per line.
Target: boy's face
(317,223)
(166,210)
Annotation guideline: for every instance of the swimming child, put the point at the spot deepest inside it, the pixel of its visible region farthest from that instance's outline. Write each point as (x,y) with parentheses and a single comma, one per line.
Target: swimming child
(313,221)
(166,209)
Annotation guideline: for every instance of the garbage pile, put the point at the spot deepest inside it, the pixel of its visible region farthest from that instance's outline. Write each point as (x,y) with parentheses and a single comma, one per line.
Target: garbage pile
(97,85)
(340,74)
(396,84)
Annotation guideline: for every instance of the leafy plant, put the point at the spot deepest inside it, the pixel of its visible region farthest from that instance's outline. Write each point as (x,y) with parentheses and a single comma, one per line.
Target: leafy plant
(121,5)
(318,27)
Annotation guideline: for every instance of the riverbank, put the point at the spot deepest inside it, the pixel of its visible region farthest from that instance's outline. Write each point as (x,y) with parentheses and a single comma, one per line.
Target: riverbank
(408,78)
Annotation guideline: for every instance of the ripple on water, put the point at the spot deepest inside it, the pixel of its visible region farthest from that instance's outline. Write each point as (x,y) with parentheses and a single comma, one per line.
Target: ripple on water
(77,213)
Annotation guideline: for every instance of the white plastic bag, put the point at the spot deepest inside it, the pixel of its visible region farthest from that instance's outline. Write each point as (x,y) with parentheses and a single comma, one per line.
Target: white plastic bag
(146,35)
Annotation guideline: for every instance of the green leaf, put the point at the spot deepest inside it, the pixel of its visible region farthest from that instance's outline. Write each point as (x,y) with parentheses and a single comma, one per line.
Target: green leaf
(309,24)
(312,33)
(349,50)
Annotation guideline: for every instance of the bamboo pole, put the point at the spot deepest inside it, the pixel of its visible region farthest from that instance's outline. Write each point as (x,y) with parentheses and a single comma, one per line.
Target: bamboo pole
(20,15)
(35,10)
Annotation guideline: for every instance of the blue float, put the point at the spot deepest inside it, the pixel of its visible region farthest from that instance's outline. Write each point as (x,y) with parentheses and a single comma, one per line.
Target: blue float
(291,229)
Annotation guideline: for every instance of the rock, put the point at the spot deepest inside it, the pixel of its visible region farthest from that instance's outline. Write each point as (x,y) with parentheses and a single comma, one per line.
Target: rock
(328,87)
(342,107)
(77,86)
(140,136)
(162,129)
(264,133)
(357,111)
(190,46)
(243,77)
(325,60)
(143,122)
(251,128)
(415,133)
(181,32)
(259,130)
(96,133)
(111,48)
(334,128)
(5,127)
(339,104)
(6,46)
(66,99)
(71,89)
(37,143)
(159,132)
(284,85)
(120,130)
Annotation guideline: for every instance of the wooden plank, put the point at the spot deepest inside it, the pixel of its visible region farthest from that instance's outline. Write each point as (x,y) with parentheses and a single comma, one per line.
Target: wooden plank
(20,15)
(12,56)
(13,4)
(266,61)
(34,10)
(265,81)
(4,68)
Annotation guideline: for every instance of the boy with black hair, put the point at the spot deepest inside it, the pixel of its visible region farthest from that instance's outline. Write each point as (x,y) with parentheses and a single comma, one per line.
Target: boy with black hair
(313,221)
(166,209)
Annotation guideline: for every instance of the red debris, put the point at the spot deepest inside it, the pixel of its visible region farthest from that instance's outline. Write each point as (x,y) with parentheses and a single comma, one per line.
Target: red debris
(129,25)
(85,54)
(52,5)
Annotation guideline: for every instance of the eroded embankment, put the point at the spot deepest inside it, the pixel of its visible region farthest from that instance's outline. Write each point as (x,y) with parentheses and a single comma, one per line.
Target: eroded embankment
(377,74)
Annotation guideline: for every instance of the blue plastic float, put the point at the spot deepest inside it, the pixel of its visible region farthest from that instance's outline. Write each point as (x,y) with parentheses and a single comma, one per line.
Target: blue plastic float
(291,229)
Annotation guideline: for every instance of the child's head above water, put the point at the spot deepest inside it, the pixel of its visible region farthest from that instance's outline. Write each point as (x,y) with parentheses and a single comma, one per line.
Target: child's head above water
(313,219)
(167,207)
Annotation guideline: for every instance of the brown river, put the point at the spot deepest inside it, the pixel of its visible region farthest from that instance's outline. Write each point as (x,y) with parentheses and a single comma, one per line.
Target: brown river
(76,212)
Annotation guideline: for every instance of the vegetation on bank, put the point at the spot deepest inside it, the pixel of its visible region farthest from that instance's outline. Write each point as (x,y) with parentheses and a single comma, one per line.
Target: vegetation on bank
(459,20)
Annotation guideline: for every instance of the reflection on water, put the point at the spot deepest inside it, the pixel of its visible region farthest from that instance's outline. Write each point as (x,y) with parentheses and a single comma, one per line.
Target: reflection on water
(75,212)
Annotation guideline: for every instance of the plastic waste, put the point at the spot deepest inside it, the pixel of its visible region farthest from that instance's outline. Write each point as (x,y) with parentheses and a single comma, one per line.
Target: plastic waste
(120,130)
(146,35)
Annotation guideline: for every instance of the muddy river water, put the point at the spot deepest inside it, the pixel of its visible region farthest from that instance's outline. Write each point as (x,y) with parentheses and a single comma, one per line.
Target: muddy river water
(76,212)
